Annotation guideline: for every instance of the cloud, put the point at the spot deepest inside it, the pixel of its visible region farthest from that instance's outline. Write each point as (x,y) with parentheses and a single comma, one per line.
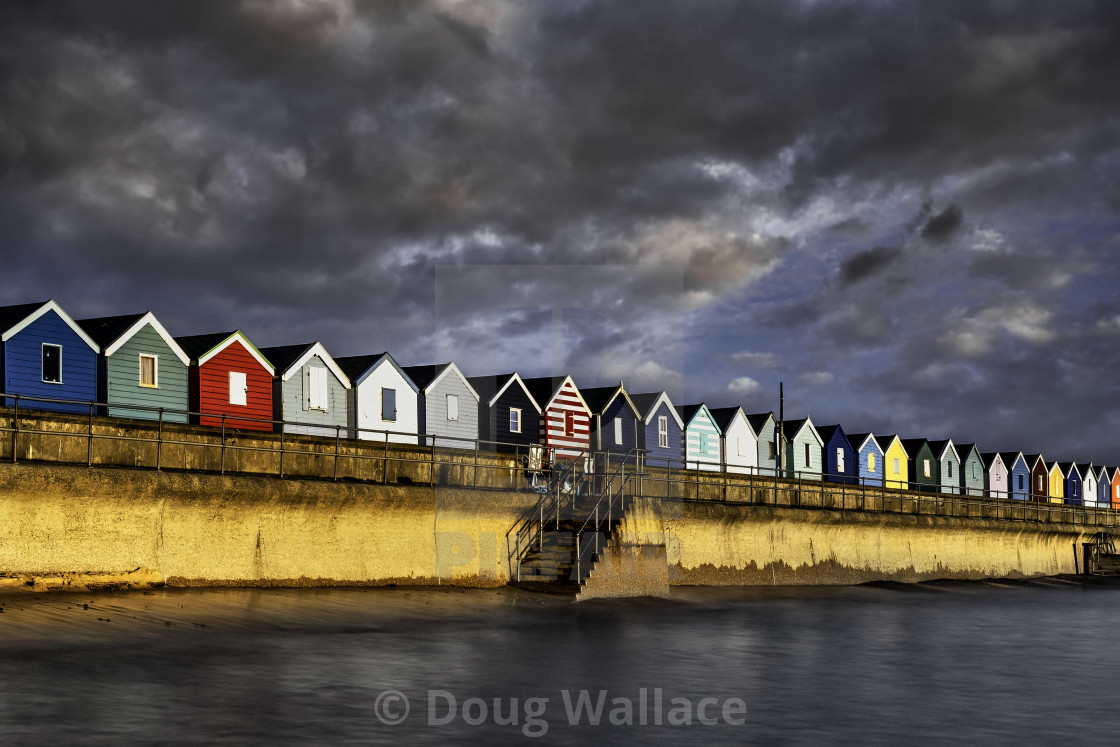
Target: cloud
(743,386)
(940,228)
(761,360)
(866,263)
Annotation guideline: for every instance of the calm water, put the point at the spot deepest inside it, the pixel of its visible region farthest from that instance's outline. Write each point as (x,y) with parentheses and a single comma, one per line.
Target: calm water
(930,664)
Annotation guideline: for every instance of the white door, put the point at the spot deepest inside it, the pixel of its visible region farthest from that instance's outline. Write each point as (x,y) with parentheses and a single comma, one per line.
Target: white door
(238,388)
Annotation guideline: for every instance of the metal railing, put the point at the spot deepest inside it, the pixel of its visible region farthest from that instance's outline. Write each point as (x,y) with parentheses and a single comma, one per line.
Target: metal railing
(300,449)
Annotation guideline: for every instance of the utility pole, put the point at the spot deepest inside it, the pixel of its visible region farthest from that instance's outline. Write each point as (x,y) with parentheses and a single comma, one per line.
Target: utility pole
(781,427)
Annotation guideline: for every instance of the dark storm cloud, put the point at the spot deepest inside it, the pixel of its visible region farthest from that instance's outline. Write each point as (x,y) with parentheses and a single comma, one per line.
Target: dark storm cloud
(867,263)
(940,228)
(300,169)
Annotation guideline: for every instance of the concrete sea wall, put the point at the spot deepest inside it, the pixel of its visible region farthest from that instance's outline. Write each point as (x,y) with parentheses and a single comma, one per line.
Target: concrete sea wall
(77,527)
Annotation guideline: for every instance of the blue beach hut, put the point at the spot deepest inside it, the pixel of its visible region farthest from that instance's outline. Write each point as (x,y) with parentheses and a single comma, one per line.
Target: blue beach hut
(838,457)
(869,455)
(44,353)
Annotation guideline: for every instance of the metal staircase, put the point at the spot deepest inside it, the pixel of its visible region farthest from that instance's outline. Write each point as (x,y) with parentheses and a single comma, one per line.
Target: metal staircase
(556,546)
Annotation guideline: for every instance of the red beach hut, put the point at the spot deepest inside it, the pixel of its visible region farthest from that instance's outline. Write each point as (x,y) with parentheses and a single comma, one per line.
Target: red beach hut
(228,376)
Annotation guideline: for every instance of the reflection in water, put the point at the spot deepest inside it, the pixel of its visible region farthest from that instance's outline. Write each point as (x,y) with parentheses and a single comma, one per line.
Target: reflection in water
(864,664)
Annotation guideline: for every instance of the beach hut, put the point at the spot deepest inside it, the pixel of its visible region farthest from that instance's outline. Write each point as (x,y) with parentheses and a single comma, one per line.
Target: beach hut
(802,451)
(896,462)
(972,470)
(1088,484)
(309,390)
(1114,487)
(46,354)
(995,475)
(740,443)
(509,419)
(140,366)
(1072,483)
(948,466)
(869,456)
(925,472)
(839,461)
(1104,487)
(565,417)
(228,379)
(446,406)
(614,429)
(701,438)
(1040,477)
(661,427)
(1055,482)
(1019,478)
(765,427)
(382,402)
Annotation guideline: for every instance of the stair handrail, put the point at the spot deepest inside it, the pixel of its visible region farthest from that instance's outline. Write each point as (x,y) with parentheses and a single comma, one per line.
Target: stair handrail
(530,528)
(611,496)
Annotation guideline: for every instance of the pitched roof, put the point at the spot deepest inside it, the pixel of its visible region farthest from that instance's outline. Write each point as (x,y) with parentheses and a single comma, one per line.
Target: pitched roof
(425,376)
(1067,467)
(826,432)
(13,319)
(859,440)
(600,397)
(913,445)
(758,421)
(963,450)
(201,348)
(357,367)
(10,316)
(1010,457)
(724,416)
(544,388)
(489,388)
(647,404)
(106,329)
(283,356)
(939,448)
(989,458)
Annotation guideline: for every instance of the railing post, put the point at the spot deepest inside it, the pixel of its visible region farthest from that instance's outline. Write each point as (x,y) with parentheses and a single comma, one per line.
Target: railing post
(159,441)
(474,472)
(223,465)
(337,440)
(89,437)
(281,448)
(597,532)
(15,428)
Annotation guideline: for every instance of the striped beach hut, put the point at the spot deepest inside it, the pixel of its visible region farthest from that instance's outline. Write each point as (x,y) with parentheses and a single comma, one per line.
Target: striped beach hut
(565,416)
(701,437)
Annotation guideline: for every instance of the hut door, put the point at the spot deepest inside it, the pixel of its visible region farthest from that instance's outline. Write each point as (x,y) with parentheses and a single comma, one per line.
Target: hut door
(237,388)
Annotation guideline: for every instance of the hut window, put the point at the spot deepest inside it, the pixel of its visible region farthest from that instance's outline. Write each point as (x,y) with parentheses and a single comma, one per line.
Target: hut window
(950,466)
(618,431)
(975,470)
(925,467)
(739,447)
(453,407)
(149,370)
(317,395)
(1020,482)
(808,456)
(896,465)
(840,460)
(870,462)
(569,424)
(52,363)
(1040,483)
(773,449)
(388,404)
(515,420)
(663,431)
(703,443)
(238,388)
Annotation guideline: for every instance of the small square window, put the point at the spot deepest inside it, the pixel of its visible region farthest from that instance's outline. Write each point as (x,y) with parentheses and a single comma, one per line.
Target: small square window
(149,370)
(515,420)
(52,363)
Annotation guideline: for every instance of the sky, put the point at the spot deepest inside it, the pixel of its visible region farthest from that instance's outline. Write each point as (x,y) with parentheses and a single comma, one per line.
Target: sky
(908,213)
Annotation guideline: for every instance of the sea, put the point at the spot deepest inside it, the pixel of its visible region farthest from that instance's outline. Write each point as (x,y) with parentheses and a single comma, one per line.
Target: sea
(939,663)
